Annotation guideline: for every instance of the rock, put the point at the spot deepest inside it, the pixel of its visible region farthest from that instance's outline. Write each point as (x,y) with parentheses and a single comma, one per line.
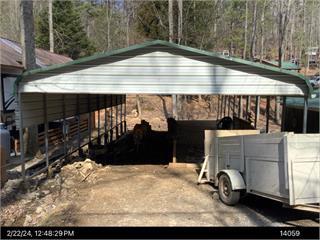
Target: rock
(45,192)
(31,195)
(39,194)
(27,220)
(39,210)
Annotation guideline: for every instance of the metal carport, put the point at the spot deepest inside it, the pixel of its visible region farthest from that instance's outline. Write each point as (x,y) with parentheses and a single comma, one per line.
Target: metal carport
(155,67)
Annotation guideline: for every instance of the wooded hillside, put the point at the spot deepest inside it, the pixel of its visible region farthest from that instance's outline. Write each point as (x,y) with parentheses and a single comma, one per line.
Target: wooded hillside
(246,28)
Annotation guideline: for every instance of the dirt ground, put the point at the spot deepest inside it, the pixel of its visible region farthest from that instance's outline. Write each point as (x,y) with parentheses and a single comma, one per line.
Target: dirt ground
(85,193)
(88,194)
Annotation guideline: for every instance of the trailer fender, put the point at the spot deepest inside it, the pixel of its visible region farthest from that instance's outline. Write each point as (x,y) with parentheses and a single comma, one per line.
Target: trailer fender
(237,182)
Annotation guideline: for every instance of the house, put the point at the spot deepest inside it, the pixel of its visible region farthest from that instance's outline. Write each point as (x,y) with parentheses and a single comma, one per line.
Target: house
(11,68)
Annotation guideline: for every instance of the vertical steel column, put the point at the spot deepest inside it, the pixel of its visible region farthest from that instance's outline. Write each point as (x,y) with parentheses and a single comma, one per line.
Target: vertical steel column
(218,109)
(98,108)
(225,106)
(256,120)
(117,120)
(248,107)
(121,105)
(23,163)
(305,115)
(64,125)
(221,108)
(78,125)
(240,111)
(229,105)
(267,114)
(90,119)
(111,118)
(234,105)
(105,122)
(284,111)
(46,129)
(125,113)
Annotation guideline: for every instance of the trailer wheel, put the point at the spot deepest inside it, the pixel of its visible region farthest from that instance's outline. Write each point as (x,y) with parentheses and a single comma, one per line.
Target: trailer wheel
(226,194)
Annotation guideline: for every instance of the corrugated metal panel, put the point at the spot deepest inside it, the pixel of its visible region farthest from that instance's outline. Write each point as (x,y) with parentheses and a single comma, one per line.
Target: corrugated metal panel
(160,67)
(33,104)
(11,55)
(164,73)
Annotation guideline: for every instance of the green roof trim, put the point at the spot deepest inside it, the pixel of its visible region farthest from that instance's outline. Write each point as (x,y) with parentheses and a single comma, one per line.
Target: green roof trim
(298,102)
(167,44)
(286,65)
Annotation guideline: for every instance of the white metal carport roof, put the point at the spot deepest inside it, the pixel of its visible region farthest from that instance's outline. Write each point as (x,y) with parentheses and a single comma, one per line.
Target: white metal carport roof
(156,67)
(160,67)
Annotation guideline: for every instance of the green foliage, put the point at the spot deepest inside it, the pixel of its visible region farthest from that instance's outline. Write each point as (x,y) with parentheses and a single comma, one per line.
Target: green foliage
(69,35)
(152,20)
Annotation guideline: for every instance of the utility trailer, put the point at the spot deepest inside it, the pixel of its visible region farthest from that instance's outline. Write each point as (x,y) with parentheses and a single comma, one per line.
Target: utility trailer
(281,166)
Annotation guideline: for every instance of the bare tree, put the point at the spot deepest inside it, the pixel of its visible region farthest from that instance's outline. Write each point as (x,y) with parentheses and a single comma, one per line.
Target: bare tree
(170,18)
(109,16)
(51,40)
(180,20)
(284,10)
(245,32)
(262,30)
(253,33)
(29,62)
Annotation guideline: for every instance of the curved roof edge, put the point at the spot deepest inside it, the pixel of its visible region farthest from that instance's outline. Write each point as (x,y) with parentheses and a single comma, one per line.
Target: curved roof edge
(167,44)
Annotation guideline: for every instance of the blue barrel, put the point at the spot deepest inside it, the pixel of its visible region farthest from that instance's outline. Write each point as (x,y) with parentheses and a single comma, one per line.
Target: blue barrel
(4,151)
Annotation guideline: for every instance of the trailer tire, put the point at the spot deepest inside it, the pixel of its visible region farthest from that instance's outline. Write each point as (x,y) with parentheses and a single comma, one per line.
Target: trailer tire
(226,194)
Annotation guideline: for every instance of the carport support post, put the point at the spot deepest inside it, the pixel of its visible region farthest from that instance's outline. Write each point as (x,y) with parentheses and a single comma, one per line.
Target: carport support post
(256,120)
(218,109)
(225,106)
(46,128)
(305,115)
(111,120)
(121,121)
(64,125)
(78,125)
(105,121)
(240,107)
(229,105)
(23,163)
(283,114)
(98,108)
(125,113)
(267,114)
(117,112)
(221,102)
(90,120)
(234,104)
(248,105)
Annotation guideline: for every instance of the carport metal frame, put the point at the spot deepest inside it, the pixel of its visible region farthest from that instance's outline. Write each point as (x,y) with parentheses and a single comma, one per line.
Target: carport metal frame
(150,47)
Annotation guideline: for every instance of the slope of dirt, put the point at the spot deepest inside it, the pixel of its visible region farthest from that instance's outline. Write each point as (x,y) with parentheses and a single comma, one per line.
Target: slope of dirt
(88,194)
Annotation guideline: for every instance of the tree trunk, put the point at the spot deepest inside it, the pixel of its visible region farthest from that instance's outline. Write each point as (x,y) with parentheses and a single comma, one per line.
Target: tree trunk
(253,34)
(180,21)
(245,32)
(138,103)
(108,24)
(170,16)
(29,62)
(262,30)
(127,22)
(51,40)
